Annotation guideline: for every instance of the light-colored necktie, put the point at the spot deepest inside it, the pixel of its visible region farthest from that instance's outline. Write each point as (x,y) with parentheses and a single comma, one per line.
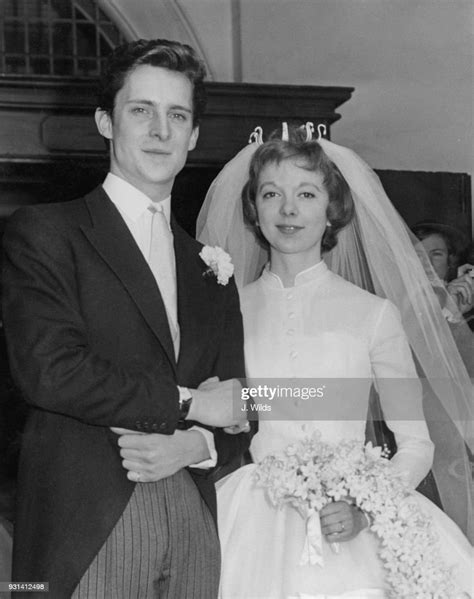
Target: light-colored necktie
(162,262)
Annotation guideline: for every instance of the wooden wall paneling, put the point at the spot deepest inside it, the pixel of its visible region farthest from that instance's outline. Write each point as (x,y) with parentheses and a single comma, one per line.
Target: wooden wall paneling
(420,195)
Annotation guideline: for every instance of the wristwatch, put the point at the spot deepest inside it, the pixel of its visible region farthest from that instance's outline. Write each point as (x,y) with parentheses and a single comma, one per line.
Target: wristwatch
(185,399)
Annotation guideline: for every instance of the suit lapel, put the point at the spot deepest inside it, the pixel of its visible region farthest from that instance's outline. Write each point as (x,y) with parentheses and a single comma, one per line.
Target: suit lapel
(112,239)
(194,298)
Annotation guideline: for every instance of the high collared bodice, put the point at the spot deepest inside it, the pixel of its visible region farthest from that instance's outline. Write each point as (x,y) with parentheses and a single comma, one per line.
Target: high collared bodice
(321,328)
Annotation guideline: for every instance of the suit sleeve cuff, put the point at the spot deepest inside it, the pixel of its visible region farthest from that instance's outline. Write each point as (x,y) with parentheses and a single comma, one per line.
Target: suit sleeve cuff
(209,438)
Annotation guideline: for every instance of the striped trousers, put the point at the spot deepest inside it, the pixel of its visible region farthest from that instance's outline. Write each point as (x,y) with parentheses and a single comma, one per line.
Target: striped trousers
(164,546)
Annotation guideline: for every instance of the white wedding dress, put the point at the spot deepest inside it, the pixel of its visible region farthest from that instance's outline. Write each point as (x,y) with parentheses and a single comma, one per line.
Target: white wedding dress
(322,328)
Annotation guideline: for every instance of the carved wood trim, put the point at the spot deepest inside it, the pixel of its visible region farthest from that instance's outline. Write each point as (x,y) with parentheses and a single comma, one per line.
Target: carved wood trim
(49,119)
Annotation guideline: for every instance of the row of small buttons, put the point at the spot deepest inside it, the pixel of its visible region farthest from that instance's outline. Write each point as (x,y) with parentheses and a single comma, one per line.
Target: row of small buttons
(291,331)
(145,426)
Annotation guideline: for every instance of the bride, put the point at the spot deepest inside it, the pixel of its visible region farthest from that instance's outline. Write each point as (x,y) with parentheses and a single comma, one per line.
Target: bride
(302,321)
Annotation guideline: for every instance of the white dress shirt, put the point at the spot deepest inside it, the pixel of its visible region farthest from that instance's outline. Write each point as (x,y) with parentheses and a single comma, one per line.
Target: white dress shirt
(133,205)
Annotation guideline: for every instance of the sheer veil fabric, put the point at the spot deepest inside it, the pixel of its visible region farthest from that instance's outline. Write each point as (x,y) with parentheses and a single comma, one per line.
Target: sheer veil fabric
(221,219)
(377,252)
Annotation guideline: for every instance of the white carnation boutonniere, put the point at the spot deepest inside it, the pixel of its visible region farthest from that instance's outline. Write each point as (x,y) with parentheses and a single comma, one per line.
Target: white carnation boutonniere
(219,263)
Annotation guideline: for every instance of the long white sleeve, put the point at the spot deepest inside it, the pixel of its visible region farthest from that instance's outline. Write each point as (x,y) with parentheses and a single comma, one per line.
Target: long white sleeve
(401,396)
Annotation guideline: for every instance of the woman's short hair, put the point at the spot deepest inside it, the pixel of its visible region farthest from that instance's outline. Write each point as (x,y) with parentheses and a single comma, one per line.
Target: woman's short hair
(167,54)
(310,156)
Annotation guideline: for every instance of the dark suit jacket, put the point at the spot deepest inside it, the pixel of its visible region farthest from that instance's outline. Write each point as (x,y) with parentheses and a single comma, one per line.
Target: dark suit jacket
(90,347)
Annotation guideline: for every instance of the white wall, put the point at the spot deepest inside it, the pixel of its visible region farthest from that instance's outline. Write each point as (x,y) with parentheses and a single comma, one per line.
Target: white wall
(409,60)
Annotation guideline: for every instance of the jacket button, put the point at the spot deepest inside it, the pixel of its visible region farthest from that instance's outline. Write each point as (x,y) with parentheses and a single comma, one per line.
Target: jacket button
(138,425)
(163,426)
(154,427)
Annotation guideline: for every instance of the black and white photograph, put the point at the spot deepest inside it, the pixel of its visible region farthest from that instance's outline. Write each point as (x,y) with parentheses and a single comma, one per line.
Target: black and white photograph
(237,299)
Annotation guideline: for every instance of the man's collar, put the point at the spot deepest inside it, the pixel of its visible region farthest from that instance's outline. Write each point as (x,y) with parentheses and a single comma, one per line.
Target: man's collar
(129,200)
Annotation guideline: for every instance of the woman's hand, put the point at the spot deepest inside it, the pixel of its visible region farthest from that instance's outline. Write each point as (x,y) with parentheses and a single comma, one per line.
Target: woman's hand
(462,288)
(341,521)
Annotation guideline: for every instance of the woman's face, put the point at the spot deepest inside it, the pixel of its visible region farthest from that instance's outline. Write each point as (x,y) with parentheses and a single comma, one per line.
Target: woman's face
(437,250)
(291,207)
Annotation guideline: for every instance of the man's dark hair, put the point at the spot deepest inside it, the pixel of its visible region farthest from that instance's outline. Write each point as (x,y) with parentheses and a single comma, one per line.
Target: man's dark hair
(157,53)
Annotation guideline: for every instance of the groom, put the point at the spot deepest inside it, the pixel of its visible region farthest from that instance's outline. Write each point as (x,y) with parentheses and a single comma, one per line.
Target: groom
(115,327)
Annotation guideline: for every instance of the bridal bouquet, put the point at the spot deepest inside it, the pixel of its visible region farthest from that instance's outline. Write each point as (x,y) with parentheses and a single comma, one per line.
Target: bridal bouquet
(311,474)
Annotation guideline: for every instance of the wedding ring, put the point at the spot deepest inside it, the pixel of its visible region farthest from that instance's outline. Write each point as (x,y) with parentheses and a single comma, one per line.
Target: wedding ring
(246,427)
(137,477)
(343,528)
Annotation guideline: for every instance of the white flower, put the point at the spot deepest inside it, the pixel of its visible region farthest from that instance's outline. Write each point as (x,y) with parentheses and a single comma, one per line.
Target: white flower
(310,474)
(219,263)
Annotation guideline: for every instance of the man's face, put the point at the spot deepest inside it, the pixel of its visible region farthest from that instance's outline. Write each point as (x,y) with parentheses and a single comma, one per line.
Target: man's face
(150,129)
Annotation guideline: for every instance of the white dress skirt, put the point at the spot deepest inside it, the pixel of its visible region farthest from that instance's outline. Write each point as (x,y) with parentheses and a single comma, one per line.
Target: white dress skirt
(322,328)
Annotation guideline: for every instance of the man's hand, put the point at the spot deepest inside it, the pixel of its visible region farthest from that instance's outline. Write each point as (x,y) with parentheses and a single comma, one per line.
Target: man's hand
(341,521)
(218,403)
(151,457)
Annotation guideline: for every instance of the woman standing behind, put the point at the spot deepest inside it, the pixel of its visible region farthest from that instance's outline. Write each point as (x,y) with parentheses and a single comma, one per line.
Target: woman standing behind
(446,247)
(302,321)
